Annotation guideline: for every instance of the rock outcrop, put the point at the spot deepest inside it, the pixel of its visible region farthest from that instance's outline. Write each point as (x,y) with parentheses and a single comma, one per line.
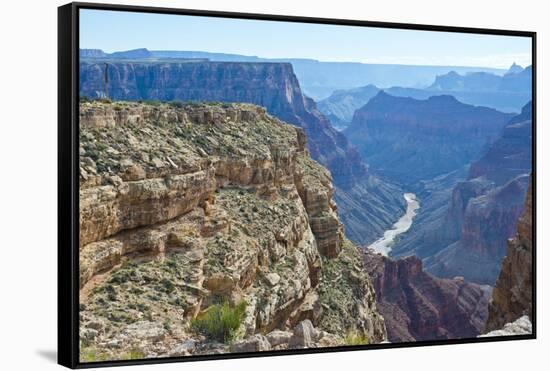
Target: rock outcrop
(513,293)
(367,204)
(270,85)
(521,326)
(418,306)
(187,206)
(412,140)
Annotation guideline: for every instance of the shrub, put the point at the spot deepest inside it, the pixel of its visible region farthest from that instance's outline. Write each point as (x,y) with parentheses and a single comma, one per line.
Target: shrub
(353,337)
(220,322)
(90,354)
(167,285)
(132,354)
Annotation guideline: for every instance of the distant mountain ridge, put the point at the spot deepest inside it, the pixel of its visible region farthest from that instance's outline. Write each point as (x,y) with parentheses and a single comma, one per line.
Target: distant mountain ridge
(409,140)
(514,81)
(318,79)
(507,93)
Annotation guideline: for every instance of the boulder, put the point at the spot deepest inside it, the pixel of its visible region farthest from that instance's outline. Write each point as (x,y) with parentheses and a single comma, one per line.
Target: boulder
(521,326)
(278,337)
(183,349)
(304,335)
(255,343)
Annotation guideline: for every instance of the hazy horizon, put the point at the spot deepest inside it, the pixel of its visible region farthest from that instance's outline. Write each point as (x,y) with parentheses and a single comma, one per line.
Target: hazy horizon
(113,31)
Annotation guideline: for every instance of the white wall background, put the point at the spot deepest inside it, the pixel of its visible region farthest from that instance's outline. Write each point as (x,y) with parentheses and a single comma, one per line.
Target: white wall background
(28,166)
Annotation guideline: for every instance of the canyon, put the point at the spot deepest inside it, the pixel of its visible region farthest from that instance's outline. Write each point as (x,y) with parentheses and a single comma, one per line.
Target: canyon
(384,244)
(410,140)
(187,207)
(478,214)
(207,184)
(368,205)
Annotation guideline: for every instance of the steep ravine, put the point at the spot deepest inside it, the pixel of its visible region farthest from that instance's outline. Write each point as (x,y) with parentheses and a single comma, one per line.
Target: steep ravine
(184,207)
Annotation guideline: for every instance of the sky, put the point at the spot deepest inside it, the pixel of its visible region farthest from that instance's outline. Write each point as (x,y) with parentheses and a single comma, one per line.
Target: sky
(117,31)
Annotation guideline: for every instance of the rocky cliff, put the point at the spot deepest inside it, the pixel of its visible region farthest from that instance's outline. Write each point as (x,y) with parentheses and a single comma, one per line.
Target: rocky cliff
(191,209)
(270,85)
(418,306)
(512,295)
(495,191)
(510,155)
(317,78)
(367,204)
(410,140)
(489,220)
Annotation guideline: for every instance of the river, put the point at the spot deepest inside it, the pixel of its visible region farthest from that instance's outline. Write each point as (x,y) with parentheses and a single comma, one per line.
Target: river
(383,245)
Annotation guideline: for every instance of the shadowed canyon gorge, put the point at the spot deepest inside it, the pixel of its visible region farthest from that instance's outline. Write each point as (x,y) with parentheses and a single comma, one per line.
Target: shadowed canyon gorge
(212,183)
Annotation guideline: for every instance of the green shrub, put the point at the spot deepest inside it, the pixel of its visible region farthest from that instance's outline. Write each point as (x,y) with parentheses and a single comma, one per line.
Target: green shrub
(91,354)
(132,354)
(167,285)
(220,322)
(353,337)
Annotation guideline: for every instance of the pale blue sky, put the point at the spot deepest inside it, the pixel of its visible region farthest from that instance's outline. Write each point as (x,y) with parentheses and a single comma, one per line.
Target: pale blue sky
(117,31)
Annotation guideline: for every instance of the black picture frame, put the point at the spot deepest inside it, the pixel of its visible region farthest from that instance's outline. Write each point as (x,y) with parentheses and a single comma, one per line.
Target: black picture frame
(68,168)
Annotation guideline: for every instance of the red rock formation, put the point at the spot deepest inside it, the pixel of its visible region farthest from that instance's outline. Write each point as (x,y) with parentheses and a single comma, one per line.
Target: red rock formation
(418,306)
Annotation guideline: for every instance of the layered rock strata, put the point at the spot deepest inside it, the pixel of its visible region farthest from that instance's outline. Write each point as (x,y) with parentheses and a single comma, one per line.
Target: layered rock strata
(411,140)
(183,207)
(368,205)
(418,306)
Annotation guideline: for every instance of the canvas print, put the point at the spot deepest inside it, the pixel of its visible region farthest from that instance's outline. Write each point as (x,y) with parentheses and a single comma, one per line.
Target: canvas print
(252,185)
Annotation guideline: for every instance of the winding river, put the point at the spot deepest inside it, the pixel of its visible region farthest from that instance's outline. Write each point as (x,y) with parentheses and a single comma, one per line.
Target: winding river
(383,245)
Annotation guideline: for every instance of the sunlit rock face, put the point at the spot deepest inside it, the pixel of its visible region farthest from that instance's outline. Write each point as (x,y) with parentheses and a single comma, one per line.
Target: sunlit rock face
(367,204)
(187,206)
